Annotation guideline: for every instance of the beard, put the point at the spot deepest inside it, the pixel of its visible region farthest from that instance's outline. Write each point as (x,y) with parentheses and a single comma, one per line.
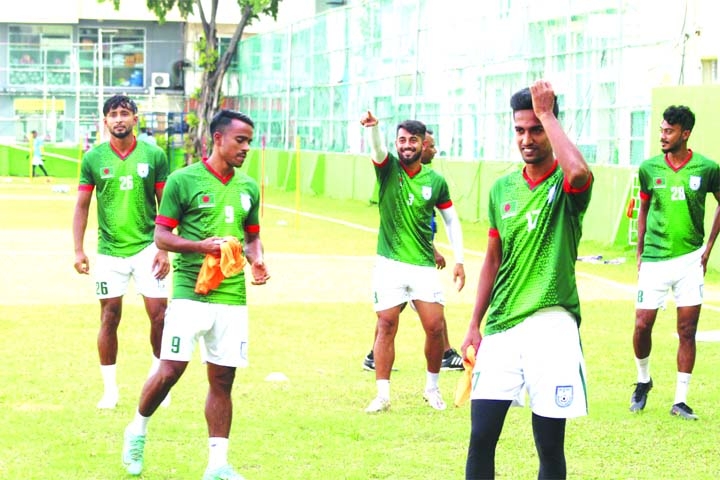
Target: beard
(121,134)
(409,160)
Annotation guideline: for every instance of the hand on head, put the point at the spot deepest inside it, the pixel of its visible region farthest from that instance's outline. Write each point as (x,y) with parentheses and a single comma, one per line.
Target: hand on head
(543,98)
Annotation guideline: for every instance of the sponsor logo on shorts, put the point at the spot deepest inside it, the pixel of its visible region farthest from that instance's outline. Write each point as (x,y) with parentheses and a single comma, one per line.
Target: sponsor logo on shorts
(563,395)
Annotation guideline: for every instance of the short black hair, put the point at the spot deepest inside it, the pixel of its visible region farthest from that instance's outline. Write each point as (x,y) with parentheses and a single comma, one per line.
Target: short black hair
(224,117)
(119,101)
(415,127)
(522,100)
(680,115)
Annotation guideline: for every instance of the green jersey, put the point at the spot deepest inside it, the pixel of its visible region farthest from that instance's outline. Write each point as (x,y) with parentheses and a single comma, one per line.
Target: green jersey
(201,204)
(539,226)
(406,206)
(676,215)
(125,191)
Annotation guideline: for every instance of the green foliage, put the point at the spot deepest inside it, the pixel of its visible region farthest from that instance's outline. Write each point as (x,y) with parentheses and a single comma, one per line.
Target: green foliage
(207,57)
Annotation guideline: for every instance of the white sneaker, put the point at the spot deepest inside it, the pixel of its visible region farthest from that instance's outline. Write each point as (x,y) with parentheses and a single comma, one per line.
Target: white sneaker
(378,404)
(109,400)
(434,399)
(166,401)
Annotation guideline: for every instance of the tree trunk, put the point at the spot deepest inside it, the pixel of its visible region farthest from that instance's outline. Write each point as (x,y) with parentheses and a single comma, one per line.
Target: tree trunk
(207,107)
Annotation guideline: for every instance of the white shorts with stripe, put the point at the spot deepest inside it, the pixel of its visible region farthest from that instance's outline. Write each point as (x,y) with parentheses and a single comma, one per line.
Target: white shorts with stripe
(395,283)
(541,356)
(112,275)
(683,275)
(224,329)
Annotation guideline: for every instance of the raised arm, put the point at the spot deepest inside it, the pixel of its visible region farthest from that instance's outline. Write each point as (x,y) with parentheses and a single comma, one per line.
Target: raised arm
(378,152)
(574,167)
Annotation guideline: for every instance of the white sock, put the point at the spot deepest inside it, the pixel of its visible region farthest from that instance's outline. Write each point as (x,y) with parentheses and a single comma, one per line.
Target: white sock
(218,452)
(383,388)
(682,386)
(139,424)
(109,376)
(154,366)
(431,381)
(643,369)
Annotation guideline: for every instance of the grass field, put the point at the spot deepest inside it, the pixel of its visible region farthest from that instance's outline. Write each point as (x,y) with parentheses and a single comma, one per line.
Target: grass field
(314,322)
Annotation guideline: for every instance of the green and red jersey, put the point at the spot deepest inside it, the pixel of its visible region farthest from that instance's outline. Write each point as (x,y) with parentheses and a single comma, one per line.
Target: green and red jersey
(406,204)
(202,204)
(539,225)
(126,194)
(676,215)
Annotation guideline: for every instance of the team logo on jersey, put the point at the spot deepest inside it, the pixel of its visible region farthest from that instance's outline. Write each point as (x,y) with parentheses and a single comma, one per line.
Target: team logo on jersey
(245,201)
(659,182)
(143,169)
(563,395)
(508,209)
(206,200)
(695,182)
(426,192)
(106,172)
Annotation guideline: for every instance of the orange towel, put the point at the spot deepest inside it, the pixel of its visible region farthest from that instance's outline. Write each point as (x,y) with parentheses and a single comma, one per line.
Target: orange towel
(216,269)
(464,386)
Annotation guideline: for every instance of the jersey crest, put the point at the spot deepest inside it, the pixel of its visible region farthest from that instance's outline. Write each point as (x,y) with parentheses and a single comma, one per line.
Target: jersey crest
(695,182)
(143,169)
(427,192)
(245,201)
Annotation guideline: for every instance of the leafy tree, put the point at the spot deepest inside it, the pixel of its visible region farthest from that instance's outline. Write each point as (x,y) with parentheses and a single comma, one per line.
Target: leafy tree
(214,66)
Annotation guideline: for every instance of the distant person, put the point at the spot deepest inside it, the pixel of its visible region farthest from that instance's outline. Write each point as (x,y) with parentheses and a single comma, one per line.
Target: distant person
(128,178)
(206,205)
(405,264)
(451,360)
(527,287)
(37,151)
(146,135)
(670,251)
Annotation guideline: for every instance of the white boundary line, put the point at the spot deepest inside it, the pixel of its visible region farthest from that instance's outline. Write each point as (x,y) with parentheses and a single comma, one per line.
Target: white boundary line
(611,283)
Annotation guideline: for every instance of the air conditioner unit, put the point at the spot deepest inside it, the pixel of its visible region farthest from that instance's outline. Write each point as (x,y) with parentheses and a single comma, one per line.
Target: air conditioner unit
(160,79)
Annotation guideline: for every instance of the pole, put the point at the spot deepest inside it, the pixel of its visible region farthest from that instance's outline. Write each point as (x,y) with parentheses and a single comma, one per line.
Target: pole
(297,181)
(262,177)
(101,88)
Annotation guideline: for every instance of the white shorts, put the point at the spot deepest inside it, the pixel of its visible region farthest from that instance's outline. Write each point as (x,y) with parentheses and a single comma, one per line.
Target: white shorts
(543,356)
(395,283)
(684,275)
(224,329)
(112,275)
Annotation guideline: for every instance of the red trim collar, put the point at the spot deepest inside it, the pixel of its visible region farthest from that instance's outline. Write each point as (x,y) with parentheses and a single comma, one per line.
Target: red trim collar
(684,162)
(120,154)
(225,179)
(532,184)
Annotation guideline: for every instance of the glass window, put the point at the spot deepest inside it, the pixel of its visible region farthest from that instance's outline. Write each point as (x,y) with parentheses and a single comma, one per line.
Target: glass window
(123,56)
(39,54)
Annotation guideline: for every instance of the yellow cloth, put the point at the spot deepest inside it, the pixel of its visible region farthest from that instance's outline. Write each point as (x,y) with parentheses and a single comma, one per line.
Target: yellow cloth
(216,269)
(464,386)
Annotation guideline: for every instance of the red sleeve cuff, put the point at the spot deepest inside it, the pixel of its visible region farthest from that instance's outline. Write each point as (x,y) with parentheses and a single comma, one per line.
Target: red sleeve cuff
(569,188)
(160,185)
(444,205)
(644,196)
(493,232)
(86,188)
(166,222)
(254,229)
(383,162)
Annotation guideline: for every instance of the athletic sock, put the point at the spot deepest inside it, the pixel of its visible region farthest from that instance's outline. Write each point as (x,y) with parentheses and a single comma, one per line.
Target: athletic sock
(383,388)
(139,424)
(682,386)
(218,452)
(109,376)
(643,369)
(431,381)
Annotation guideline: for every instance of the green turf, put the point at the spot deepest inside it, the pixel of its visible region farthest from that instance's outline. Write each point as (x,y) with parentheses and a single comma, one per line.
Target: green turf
(313,426)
